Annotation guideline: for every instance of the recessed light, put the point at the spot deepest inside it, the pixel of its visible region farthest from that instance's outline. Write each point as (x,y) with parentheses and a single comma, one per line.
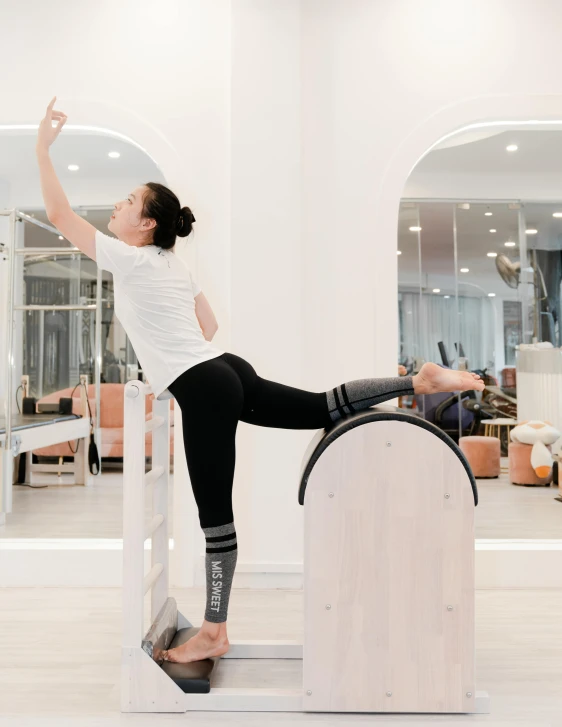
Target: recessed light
(436,290)
(114,154)
(491,295)
(415,229)
(531,231)
(73,167)
(465,270)
(488,214)
(399,252)
(557,214)
(493,230)
(509,244)
(61,237)
(492,254)
(512,147)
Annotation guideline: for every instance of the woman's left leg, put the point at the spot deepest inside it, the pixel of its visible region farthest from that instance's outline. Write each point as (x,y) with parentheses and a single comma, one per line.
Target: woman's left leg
(271,404)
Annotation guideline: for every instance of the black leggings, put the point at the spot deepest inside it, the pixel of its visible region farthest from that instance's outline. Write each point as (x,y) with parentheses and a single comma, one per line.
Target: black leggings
(215,395)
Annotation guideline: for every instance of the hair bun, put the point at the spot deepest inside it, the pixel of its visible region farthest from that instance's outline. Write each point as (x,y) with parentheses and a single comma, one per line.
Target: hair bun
(185,222)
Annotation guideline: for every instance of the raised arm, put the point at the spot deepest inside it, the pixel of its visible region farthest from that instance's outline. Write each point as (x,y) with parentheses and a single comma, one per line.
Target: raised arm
(59,212)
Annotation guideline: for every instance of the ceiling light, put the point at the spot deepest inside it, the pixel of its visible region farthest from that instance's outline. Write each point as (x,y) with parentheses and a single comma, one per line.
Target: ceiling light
(512,147)
(114,154)
(436,290)
(415,229)
(509,244)
(399,252)
(446,296)
(491,295)
(488,214)
(493,230)
(492,254)
(73,167)
(557,214)
(531,231)
(465,270)
(61,237)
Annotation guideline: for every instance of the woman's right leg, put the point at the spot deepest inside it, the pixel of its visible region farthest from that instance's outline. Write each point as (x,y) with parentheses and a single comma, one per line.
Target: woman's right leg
(210,397)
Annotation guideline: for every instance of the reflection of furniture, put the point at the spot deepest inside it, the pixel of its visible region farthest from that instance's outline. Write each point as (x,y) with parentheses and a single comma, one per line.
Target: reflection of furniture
(500,402)
(35,430)
(442,409)
(500,428)
(483,455)
(493,427)
(111,421)
(508,377)
(520,469)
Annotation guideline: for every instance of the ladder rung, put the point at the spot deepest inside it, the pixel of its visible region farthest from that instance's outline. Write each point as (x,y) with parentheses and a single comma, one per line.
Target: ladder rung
(152,475)
(152,576)
(155,523)
(153,424)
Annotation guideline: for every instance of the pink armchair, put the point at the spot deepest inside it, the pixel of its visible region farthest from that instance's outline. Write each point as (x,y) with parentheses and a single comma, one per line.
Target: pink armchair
(111,420)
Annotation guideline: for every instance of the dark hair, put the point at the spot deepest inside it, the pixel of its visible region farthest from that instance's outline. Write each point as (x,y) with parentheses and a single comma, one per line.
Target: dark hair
(172,221)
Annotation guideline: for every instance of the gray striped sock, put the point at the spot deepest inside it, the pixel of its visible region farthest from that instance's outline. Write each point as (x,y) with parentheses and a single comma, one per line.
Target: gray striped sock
(220,564)
(363,393)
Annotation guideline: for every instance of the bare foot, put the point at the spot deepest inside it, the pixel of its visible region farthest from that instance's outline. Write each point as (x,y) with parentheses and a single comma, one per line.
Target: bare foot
(432,378)
(201,646)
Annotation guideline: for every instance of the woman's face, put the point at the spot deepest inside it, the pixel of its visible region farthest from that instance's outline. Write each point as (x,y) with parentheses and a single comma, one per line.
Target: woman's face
(125,222)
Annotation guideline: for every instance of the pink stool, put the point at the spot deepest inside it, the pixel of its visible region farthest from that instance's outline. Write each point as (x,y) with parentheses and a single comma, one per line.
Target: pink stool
(483,455)
(520,470)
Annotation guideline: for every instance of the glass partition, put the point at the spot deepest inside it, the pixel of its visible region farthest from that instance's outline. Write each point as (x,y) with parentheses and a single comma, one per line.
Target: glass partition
(59,346)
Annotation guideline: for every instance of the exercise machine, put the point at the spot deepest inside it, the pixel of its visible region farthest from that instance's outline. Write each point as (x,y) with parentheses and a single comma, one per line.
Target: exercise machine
(23,433)
(388,576)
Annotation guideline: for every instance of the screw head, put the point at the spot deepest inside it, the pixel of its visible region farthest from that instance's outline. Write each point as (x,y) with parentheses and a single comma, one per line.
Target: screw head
(330,494)
(328,607)
(449,608)
(389,444)
(447,496)
(389,694)
(309,692)
(469,694)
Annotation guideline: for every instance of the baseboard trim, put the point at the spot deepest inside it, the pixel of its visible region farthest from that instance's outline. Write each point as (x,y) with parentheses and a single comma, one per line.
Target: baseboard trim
(97,562)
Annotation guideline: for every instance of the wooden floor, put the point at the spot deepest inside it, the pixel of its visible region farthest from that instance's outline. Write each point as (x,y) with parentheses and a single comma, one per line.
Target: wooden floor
(59,662)
(504,510)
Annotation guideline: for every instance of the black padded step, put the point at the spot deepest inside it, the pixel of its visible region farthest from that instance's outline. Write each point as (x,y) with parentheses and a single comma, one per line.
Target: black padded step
(195,677)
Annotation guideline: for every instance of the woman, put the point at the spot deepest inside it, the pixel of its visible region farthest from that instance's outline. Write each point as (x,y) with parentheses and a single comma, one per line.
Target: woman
(164,314)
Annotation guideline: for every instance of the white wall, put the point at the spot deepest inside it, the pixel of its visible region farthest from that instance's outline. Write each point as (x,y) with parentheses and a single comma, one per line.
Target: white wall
(211,90)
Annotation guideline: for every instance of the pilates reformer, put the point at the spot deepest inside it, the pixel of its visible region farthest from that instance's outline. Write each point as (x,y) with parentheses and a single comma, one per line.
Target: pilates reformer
(388,576)
(20,433)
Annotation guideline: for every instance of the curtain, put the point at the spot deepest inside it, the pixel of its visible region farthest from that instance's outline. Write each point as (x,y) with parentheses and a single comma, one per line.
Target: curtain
(427,319)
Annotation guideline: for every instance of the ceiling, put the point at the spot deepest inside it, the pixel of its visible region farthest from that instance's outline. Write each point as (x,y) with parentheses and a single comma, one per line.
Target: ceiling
(539,151)
(97,172)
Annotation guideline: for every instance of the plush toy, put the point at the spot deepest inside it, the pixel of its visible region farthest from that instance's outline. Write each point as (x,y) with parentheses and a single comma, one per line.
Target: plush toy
(539,435)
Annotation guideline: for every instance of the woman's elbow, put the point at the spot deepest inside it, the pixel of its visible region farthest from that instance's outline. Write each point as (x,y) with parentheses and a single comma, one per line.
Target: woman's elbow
(209,333)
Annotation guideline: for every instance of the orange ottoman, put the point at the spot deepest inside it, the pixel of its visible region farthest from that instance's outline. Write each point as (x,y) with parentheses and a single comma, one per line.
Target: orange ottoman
(483,455)
(520,470)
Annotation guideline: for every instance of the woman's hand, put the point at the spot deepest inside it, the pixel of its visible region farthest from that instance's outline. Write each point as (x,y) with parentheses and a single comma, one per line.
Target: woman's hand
(47,133)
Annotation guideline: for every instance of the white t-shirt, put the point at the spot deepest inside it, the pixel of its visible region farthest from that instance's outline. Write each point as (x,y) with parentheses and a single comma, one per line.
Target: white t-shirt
(154,300)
